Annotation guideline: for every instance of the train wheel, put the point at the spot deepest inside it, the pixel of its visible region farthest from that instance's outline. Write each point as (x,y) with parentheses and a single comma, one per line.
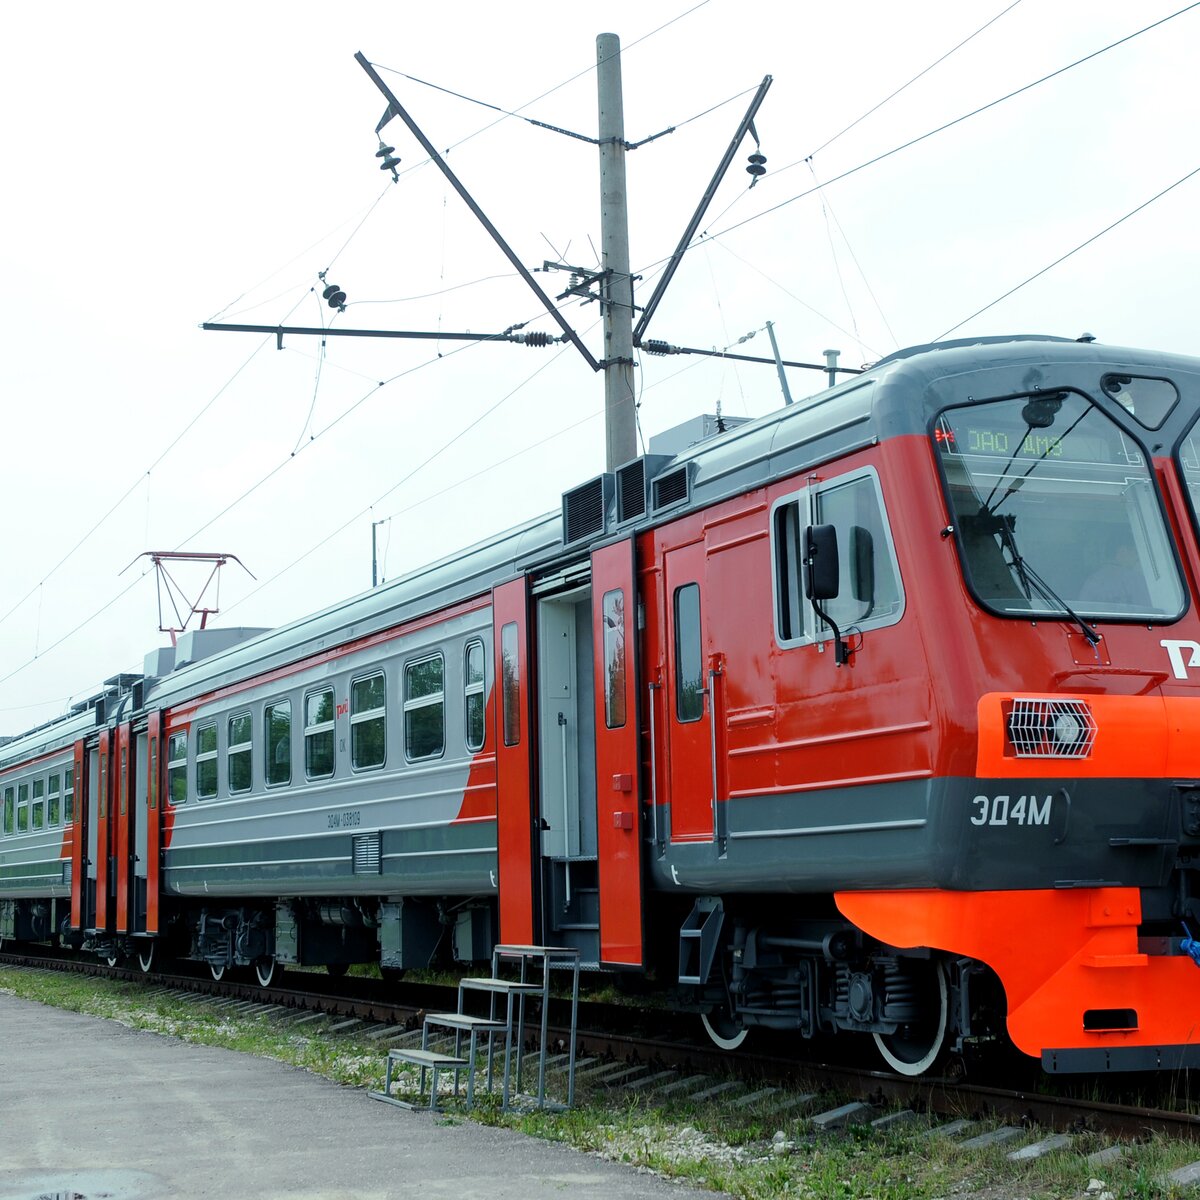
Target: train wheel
(218,972)
(264,970)
(112,959)
(726,1032)
(914,1048)
(145,957)
(337,970)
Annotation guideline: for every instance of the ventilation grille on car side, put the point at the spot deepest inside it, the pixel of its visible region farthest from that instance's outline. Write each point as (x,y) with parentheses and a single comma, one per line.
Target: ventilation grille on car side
(368,853)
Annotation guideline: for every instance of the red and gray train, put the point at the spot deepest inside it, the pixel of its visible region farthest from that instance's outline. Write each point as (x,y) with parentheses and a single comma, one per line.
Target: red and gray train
(878,714)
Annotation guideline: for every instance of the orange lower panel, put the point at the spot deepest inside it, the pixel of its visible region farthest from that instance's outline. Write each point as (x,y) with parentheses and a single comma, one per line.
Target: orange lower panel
(1058,954)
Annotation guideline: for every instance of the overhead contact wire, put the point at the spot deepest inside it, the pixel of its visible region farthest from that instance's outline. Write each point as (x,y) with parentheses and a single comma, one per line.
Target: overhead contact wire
(1082,245)
(903,87)
(947,125)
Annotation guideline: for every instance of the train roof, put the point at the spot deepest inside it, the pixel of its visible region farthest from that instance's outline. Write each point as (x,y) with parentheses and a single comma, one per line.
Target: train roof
(898,395)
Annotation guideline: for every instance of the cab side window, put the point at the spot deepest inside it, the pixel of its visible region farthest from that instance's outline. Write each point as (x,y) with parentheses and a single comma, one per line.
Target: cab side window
(870,594)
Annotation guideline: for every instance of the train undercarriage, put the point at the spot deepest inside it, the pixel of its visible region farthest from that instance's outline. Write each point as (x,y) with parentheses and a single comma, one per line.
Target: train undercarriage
(820,976)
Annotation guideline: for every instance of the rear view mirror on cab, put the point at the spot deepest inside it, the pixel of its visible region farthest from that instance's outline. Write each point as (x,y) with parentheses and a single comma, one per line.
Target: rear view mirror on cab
(821,563)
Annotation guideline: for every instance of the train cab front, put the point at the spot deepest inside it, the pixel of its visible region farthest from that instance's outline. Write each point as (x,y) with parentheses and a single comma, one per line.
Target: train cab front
(1075,838)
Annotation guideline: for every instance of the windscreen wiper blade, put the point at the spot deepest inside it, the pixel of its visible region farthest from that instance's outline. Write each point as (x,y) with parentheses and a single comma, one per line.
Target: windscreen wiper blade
(1027,577)
(1052,597)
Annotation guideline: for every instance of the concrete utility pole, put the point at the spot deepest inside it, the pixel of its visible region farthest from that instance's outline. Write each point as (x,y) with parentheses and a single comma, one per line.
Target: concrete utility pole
(620,415)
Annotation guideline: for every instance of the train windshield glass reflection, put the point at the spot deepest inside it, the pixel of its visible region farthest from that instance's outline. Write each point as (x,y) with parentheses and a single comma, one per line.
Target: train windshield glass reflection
(1055,508)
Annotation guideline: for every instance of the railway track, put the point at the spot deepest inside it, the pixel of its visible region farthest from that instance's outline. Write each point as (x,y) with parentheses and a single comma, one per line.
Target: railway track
(615,1058)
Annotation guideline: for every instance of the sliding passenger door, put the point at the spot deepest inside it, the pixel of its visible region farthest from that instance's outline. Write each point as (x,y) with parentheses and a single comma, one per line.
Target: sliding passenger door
(514,783)
(150,830)
(618,802)
(123,849)
(99,842)
(78,799)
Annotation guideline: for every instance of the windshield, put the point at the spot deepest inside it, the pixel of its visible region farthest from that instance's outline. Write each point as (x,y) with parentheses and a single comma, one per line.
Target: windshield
(1056,511)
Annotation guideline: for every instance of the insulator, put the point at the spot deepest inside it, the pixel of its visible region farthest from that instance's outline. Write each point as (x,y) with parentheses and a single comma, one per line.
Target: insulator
(384,151)
(655,346)
(389,164)
(757,165)
(334,296)
(537,338)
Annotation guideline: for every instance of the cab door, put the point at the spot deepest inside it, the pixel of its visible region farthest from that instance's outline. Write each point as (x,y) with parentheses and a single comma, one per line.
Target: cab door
(618,774)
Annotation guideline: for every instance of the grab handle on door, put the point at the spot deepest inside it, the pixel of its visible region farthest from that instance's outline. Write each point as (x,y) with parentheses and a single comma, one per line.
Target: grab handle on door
(713,674)
(654,687)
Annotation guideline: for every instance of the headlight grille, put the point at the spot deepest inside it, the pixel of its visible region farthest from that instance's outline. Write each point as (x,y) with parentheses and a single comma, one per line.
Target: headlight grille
(1051,728)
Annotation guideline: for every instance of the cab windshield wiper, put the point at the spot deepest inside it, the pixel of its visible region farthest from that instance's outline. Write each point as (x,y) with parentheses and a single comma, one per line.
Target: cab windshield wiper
(1031,581)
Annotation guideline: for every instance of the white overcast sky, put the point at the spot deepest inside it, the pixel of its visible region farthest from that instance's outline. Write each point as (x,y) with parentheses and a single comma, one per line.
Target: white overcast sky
(166,163)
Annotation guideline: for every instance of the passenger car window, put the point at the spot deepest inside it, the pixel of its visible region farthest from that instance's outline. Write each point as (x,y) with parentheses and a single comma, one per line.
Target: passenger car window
(38,811)
(239,754)
(318,734)
(206,760)
(473,691)
(53,800)
(424,708)
(69,795)
(177,768)
(10,809)
(368,722)
(278,722)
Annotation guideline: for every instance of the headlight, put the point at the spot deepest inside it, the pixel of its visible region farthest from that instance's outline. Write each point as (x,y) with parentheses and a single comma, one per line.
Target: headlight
(1051,728)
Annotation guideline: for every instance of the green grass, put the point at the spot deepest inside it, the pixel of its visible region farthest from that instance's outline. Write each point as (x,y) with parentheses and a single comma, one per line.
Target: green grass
(714,1145)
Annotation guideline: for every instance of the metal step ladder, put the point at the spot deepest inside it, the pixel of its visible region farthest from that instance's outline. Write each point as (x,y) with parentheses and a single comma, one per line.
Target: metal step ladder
(534,966)
(430,1062)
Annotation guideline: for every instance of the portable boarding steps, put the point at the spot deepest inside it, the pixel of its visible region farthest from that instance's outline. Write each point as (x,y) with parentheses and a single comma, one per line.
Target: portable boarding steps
(515,993)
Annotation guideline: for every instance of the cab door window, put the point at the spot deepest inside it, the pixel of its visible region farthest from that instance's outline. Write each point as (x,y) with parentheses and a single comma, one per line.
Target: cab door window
(689,656)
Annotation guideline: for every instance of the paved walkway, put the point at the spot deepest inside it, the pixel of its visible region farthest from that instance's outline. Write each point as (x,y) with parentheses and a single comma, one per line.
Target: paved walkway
(95,1111)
